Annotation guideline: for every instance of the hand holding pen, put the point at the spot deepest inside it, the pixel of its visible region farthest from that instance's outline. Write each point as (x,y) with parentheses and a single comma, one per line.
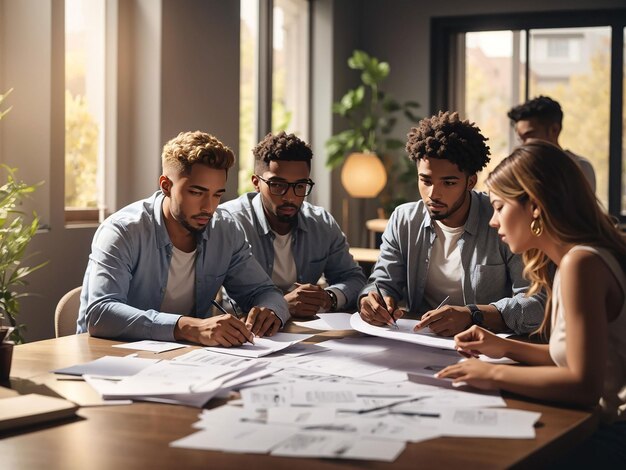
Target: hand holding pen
(377,310)
(221,309)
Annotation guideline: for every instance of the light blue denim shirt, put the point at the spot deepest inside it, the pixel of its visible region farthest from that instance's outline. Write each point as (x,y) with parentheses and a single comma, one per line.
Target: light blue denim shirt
(319,245)
(127,273)
(491,274)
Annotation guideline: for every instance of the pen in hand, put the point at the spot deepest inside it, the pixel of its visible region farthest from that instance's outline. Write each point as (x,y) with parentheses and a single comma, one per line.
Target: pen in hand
(221,309)
(443,302)
(380,294)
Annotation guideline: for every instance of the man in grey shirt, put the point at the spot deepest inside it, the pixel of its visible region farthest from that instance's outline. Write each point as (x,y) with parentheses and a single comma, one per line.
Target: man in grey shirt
(441,250)
(542,118)
(294,241)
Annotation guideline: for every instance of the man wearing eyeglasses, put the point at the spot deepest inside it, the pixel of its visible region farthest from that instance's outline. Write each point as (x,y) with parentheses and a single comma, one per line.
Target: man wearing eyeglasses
(295,241)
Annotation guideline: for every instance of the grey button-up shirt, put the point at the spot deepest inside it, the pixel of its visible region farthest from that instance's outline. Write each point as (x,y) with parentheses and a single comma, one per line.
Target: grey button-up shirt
(128,267)
(319,246)
(490,273)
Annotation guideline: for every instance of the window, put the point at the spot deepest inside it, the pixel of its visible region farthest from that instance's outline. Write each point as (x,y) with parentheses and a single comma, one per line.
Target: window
(84,108)
(274,93)
(563,56)
(558,48)
(290,70)
(248,101)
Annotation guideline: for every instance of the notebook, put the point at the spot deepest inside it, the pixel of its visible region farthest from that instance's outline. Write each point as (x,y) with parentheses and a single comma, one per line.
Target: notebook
(25,410)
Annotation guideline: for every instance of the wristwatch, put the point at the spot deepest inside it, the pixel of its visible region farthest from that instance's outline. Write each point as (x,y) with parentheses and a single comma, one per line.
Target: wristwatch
(333,300)
(478,317)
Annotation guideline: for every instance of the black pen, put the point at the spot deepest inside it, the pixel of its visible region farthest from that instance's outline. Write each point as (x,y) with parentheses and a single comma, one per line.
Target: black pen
(217,305)
(390,405)
(385,305)
(234,306)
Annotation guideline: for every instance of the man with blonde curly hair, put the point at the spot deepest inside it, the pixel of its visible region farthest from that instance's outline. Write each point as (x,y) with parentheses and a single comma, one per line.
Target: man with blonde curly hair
(441,250)
(157,264)
(295,241)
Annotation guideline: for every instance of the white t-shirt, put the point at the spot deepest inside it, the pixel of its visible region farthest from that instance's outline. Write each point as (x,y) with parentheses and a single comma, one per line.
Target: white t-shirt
(180,293)
(284,274)
(445,271)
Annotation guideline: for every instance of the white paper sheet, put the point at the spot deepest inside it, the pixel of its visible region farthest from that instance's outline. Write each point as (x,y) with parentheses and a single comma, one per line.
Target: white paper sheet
(328,322)
(153,346)
(109,366)
(262,346)
(237,437)
(494,423)
(338,445)
(301,416)
(404,333)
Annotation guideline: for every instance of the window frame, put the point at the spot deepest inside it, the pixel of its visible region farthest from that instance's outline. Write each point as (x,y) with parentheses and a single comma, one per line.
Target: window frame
(445,52)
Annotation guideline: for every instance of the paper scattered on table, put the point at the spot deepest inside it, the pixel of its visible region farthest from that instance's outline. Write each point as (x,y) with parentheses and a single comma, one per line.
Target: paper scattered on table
(153,346)
(262,346)
(338,446)
(495,423)
(109,366)
(405,332)
(236,437)
(328,322)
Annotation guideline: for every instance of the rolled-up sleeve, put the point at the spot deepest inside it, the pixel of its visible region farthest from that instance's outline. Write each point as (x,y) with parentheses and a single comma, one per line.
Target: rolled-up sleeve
(522,313)
(246,281)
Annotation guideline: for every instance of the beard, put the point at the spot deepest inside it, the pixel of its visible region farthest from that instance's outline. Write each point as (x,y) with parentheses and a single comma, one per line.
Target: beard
(290,219)
(451,210)
(190,228)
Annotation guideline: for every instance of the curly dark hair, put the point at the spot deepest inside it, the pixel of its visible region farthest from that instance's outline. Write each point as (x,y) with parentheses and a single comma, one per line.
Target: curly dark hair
(446,136)
(542,107)
(280,147)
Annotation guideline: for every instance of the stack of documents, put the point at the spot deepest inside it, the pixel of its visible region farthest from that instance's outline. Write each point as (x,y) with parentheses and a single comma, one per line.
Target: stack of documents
(191,379)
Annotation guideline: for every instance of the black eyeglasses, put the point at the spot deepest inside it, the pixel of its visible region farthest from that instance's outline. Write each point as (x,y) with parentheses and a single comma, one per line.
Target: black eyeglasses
(280,188)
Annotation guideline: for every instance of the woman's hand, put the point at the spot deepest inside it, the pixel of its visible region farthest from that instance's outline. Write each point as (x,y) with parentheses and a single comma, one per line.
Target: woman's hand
(477,340)
(473,372)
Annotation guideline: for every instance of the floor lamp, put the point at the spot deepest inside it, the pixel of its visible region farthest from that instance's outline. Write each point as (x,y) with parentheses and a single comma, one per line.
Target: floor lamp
(363,176)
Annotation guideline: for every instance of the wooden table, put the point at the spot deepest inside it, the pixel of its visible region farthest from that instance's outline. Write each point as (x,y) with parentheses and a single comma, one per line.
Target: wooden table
(137,435)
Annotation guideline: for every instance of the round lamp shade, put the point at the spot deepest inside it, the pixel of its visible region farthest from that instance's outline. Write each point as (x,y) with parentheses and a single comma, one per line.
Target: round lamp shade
(363,175)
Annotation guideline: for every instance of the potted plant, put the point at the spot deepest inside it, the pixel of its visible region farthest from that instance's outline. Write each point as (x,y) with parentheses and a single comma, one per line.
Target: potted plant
(16,232)
(372,115)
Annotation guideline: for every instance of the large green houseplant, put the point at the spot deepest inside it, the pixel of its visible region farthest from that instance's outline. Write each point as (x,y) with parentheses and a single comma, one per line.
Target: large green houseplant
(372,115)
(16,231)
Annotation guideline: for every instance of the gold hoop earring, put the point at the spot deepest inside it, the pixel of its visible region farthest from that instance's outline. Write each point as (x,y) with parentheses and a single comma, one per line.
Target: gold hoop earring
(536,227)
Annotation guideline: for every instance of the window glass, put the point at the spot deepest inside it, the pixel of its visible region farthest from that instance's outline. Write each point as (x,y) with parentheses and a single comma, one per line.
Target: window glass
(248,92)
(492,86)
(84,103)
(581,85)
(290,68)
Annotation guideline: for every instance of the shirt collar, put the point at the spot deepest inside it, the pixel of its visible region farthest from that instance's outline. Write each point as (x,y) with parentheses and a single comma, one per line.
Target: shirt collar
(163,238)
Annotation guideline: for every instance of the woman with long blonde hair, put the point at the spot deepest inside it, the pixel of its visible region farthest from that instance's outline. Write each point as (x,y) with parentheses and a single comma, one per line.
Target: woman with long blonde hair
(545,209)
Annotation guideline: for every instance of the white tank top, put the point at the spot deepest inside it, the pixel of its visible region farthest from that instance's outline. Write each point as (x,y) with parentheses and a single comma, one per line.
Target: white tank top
(613,399)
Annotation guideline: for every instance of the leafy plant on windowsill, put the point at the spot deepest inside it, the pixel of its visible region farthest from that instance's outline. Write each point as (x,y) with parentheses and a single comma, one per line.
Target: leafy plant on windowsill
(16,232)
(372,115)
